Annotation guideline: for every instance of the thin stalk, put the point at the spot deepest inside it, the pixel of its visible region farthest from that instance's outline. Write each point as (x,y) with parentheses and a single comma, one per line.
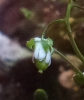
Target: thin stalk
(59,20)
(77,51)
(75,68)
(75,5)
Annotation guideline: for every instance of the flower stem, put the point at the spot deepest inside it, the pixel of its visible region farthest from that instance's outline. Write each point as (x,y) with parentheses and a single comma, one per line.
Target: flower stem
(78,6)
(66,20)
(70,32)
(75,68)
(59,20)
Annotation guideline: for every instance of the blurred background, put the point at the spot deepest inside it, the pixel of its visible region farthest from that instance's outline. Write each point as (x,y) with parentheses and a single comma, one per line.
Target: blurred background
(21,20)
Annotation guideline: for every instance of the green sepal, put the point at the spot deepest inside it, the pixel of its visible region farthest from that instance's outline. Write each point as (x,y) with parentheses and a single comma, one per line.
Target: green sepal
(45,45)
(50,42)
(27,13)
(30,44)
(51,49)
(79,79)
(41,65)
(40,94)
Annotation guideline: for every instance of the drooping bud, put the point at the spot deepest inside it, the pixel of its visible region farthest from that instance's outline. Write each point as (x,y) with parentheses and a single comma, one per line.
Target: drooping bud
(42,52)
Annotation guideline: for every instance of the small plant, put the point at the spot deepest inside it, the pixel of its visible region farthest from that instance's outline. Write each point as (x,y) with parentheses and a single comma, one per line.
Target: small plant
(43,48)
(42,52)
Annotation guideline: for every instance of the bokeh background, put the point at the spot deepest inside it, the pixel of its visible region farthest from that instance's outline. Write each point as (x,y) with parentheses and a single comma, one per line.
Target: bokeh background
(19,77)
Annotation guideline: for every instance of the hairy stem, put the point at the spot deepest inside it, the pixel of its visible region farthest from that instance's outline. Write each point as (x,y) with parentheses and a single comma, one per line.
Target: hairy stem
(59,20)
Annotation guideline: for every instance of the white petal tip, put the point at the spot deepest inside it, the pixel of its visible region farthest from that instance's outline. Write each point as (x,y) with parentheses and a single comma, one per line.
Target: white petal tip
(37,39)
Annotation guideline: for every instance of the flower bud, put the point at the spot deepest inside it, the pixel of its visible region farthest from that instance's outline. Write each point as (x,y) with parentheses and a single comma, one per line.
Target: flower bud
(42,52)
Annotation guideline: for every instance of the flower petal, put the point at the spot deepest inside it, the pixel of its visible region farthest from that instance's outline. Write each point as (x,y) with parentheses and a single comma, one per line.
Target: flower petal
(37,39)
(48,58)
(42,53)
(36,51)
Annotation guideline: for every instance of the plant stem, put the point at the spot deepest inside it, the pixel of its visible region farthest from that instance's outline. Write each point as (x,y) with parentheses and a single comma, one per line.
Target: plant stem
(59,20)
(74,5)
(66,20)
(75,68)
(70,32)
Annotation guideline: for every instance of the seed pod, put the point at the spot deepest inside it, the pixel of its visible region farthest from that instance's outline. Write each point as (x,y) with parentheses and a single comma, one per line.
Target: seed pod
(41,65)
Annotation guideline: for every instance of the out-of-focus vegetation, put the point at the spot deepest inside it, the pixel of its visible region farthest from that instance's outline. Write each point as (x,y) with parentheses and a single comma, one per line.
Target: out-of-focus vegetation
(58,31)
(27,13)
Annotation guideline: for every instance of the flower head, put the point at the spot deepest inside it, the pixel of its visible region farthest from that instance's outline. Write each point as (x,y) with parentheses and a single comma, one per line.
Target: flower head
(42,52)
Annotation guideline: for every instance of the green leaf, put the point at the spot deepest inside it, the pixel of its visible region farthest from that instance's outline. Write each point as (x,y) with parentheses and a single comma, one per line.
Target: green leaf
(30,44)
(27,13)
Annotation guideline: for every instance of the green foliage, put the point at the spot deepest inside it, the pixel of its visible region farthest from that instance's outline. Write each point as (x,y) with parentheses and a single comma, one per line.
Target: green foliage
(47,43)
(27,13)
(30,44)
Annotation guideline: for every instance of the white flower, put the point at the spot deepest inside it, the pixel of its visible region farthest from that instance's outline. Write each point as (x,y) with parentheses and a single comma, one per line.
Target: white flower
(40,53)
(48,58)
